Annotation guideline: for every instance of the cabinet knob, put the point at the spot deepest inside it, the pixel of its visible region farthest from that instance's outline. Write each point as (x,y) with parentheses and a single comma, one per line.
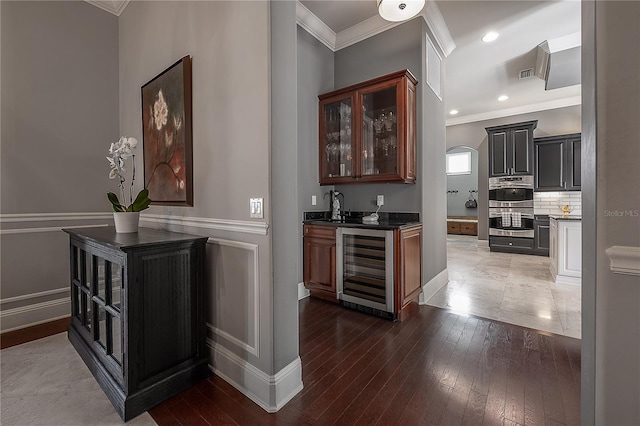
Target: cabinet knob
(510,244)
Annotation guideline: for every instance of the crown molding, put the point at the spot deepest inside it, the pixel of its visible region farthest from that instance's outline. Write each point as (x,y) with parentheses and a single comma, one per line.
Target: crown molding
(362,31)
(314,26)
(524,109)
(114,7)
(438,26)
(372,26)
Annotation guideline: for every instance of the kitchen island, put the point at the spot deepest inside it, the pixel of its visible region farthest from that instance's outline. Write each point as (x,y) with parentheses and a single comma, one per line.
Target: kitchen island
(565,248)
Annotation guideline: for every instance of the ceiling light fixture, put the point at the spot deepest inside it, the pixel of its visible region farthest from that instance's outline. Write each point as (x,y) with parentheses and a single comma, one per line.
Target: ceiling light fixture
(502,98)
(490,36)
(399,10)
(453,112)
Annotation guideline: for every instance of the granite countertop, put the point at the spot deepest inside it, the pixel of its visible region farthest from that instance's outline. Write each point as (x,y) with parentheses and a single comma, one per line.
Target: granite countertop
(565,217)
(386,221)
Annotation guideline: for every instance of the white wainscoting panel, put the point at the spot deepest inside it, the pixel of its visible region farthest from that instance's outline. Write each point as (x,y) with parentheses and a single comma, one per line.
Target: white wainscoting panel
(250,342)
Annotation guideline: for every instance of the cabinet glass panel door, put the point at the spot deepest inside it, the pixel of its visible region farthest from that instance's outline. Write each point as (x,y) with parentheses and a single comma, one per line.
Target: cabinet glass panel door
(337,143)
(380,132)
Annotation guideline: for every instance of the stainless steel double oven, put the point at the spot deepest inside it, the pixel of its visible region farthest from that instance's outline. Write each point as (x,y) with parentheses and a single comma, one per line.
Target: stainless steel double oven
(511,206)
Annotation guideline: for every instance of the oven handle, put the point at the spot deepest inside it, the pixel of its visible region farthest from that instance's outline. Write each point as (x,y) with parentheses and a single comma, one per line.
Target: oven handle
(525,233)
(499,214)
(510,204)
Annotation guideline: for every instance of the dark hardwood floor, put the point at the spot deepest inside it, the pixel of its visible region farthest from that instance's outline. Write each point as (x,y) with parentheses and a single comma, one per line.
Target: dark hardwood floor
(435,368)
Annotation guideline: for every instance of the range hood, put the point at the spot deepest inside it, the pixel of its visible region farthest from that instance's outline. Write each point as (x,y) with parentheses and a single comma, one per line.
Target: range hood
(558,61)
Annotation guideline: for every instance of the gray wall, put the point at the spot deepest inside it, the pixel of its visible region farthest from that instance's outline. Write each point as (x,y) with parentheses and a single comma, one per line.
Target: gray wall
(432,175)
(230,47)
(286,233)
(552,122)
(390,51)
(463,184)
(615,167)
(59,106)
(315,76)
(59,114)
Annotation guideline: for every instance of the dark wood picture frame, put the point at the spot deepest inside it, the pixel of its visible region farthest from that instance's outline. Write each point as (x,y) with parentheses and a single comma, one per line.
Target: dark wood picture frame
(167,136)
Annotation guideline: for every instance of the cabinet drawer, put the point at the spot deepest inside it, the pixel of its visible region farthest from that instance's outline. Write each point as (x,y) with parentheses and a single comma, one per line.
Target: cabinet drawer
(469,228)
(328,232)
(453,227)
(511,244)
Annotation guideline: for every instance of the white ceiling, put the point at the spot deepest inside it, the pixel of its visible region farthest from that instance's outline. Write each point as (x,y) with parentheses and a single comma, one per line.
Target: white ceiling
(476,73)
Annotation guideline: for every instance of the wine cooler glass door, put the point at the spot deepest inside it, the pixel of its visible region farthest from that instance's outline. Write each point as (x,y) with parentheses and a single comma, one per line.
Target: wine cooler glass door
(365,267)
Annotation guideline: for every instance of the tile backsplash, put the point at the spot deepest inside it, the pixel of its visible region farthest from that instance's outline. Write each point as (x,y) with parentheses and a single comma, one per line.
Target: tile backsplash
(551,202)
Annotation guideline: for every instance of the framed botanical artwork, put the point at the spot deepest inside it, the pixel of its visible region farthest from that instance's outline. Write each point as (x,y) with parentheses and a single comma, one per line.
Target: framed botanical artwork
(166,133)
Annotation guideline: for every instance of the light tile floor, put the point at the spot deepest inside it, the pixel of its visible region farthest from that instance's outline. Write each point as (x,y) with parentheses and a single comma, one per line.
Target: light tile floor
(513,288)
(45,382)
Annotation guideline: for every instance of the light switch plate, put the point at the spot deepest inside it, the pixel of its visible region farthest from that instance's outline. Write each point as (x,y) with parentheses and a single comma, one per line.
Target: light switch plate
(313,200)
(255,208)
(380,200)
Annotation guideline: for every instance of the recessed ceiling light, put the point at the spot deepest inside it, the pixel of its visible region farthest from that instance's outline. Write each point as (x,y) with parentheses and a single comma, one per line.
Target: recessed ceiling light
(453,112)
(490,36)
(503,98)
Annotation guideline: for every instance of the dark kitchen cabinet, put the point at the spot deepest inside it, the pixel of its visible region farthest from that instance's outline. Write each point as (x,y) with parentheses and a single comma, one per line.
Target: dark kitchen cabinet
(138,313)
(319,258)
(541,235)
(511,149)
(557,163)
(368,132)
(511,244)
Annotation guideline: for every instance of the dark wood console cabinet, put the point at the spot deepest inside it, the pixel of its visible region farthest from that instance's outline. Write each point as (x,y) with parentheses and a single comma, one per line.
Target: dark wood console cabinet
(138,313)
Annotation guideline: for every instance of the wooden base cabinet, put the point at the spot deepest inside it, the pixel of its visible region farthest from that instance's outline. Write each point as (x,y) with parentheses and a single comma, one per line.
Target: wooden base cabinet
(380,273)
(138,313)
(320,261)
(408,269)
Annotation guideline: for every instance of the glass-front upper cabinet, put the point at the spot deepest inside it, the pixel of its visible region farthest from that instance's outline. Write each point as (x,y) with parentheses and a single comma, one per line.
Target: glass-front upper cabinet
(336,136)
(367,131)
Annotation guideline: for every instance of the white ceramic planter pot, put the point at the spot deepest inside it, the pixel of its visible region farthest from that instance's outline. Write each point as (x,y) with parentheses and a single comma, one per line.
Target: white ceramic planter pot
(126,222)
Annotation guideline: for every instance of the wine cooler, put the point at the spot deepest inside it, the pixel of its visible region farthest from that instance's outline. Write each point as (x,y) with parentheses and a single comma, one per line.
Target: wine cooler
(365,269)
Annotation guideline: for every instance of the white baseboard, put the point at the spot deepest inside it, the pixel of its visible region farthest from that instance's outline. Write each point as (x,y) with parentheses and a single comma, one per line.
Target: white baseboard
(433,286)
(34,314)
(302,291)
(564,279)
(483,243)
(269,392)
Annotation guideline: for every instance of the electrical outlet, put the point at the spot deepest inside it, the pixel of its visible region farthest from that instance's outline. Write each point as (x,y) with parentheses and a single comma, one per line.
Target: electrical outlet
(255,208)
(380,200)
(313,200)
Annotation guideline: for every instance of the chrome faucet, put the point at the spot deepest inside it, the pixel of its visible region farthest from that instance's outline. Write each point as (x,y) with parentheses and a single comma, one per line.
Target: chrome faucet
(335,204)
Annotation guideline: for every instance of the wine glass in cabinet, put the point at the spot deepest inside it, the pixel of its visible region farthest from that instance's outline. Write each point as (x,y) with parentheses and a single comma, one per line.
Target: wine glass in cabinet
(336,139)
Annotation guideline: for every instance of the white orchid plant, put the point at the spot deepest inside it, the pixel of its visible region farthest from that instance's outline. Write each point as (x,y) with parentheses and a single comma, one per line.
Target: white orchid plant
(119,152)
